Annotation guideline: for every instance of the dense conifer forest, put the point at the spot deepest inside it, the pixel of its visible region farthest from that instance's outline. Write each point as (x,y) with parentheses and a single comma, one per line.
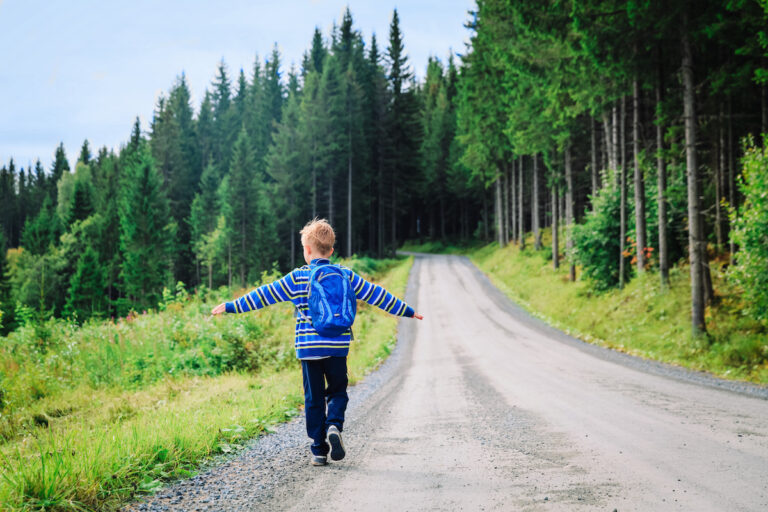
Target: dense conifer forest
(631,129)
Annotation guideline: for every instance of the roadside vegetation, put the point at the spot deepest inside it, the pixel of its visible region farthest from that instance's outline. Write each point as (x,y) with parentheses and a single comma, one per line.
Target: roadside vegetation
(94,415)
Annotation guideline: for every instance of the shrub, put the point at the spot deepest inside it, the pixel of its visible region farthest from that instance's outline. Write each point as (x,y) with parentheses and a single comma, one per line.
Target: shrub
(596,240)
(750,230)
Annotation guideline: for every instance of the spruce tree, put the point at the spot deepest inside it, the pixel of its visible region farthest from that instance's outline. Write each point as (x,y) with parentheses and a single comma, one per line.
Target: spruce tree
(60,166)
(205,130)
(82,200)
(283,163)
(4,299)
(240,100)
(377,100)
(332,134)
(180,105)
(403,131)
(241,198)
(8,200)
(267,107)
(354,147)
(177,162)
(224,128)
(147,231)
(220,244)
(273,89)
(203,217)
(434,145)
(22,201)
(135,140)
(42,230)
(106,194)
(311,130)
(85,296)
(317,53)
(85,153)
(39,185)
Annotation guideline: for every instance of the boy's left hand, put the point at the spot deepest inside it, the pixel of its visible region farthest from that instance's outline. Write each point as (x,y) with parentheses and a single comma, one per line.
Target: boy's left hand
(221,308)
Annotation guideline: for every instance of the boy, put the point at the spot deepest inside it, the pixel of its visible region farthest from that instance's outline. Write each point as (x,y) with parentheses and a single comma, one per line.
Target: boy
(323,360)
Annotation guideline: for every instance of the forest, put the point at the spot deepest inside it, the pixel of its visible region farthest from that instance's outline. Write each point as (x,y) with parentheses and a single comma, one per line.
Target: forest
(632,130)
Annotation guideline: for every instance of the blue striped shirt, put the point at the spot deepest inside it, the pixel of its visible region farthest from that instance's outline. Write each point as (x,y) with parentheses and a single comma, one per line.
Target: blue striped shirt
(294,287)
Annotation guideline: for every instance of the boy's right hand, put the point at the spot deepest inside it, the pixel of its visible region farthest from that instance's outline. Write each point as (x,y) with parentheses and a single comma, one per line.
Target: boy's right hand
(221,308)
(418,316)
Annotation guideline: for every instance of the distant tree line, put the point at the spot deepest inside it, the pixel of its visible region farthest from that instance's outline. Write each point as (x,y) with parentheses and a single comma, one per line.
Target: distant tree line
(215,197)
(616,124)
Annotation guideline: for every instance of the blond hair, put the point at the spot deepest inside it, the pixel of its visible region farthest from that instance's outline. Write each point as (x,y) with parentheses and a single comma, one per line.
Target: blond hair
(319,235)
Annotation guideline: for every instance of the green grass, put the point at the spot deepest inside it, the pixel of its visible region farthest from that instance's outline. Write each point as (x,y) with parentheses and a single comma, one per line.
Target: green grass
(94,415)
(642,319)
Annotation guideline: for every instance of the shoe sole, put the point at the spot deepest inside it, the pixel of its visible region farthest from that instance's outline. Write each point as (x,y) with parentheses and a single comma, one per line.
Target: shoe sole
(337,446)
(319,463)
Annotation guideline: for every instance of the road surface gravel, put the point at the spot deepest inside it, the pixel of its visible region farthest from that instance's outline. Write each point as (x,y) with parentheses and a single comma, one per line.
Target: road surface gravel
(482,407)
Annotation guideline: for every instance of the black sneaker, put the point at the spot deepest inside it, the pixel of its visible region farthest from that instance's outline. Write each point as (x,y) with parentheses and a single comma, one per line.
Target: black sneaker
(337,445)
(319,460)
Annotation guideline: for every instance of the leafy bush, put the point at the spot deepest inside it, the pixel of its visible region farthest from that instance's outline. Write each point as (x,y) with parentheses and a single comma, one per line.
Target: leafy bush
(750,230)
(596,240)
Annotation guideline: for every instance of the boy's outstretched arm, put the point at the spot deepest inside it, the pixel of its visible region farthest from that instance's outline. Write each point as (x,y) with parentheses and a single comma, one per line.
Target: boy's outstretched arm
(284,289)
(377,296)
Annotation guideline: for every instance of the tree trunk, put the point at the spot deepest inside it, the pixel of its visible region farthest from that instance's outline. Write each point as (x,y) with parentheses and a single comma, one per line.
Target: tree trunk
(764,105)
(349,198)
(293,243)
(696,249)
(242,250)
(731,173)
(569,213)
(562,208)
(623,134)
(330,201)
(513,201)
(380,230)
(535,206)
(662,186)
(394,216)
(485,214)
(593,170)
(607,141)
(464,220)
(520,205)
(639,180)
(229,264)
(555,248)
(719,171)
(442,217)
(499,214)
(314,189)
(622,177)
(615,142)
(507,203)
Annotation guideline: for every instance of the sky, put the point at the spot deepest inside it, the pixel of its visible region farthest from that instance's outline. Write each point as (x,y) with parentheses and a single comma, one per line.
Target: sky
(71,70)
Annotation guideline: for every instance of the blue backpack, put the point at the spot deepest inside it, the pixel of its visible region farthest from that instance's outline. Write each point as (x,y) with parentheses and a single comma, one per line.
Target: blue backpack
(332,301)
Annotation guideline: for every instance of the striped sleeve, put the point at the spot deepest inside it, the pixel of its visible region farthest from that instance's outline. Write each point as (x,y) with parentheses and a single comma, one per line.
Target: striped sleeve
(377,296)
(284,289)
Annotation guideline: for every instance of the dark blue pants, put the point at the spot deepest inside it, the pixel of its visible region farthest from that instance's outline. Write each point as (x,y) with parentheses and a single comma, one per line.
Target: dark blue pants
(318,395)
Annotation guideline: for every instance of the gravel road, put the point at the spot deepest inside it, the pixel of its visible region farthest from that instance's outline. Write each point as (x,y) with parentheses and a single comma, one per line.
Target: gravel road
(482,407)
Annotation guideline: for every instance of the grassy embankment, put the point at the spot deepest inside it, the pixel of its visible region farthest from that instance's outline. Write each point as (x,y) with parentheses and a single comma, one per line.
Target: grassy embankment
(93,415)
(642,319)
